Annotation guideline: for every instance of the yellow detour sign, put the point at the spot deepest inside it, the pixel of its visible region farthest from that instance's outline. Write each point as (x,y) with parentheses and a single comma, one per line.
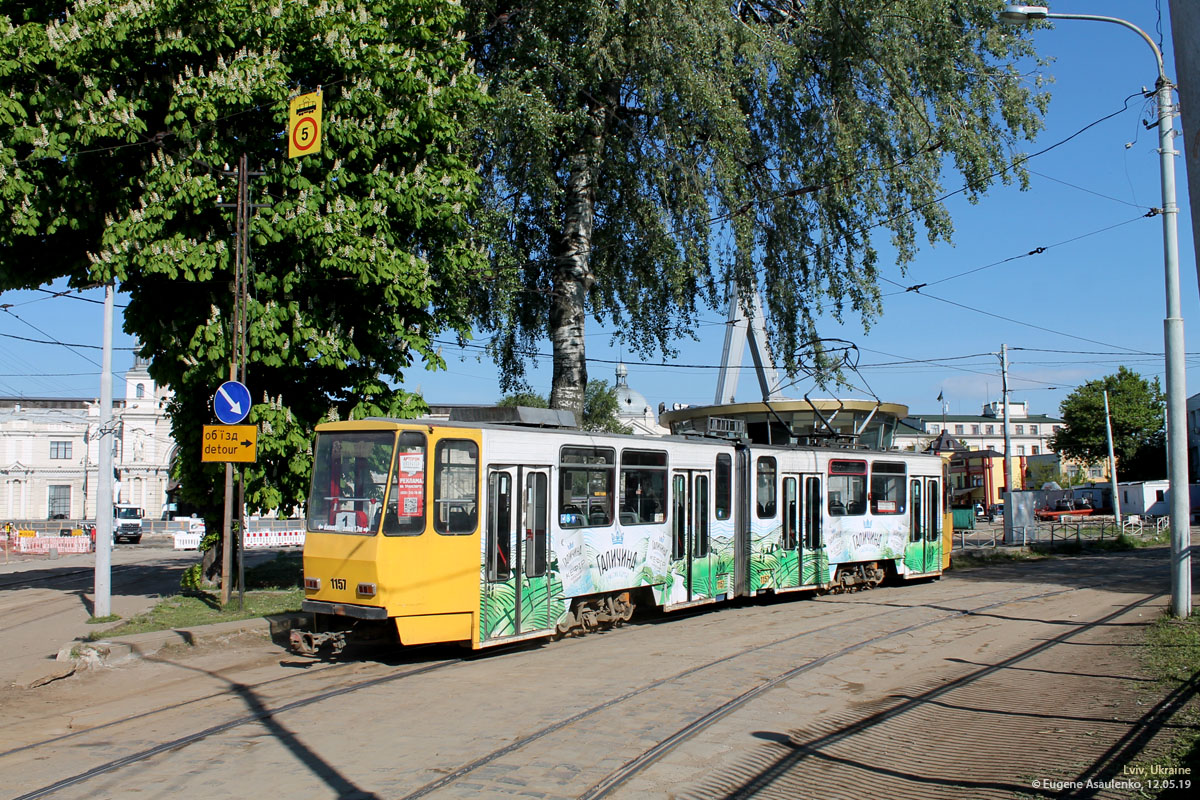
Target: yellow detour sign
(230,443)
(304,125)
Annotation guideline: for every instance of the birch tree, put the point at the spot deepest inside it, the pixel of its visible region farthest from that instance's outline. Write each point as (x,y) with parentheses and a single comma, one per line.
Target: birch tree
(642,157)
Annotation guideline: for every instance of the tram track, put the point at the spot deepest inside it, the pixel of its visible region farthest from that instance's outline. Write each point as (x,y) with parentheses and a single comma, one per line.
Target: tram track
(335,692)
(835,618)
(183,741)
(649,757)
(181,706)
(60,593)
(845,608)
(644,760)
(19,580)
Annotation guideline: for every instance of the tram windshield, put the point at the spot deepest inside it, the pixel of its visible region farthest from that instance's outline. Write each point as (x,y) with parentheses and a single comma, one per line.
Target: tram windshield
(350,474)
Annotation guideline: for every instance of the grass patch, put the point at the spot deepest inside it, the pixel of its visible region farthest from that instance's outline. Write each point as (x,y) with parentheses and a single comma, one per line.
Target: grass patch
(285,571)
(981,557)
(1171,656)
(273,587)
(101,620)
(1125,541)
(1038,551)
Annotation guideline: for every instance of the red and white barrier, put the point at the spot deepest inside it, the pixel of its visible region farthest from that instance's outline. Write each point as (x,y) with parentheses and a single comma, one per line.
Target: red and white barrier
(188,541)
(63,544)
(265,539)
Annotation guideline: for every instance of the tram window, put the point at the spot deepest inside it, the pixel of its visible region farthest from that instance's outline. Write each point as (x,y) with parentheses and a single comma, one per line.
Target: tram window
(350,472)
(455,486)
(679,517)
(405,514)
(499,526)
(643,486)
(586,487)
(724,486)
(934,528)
(887,487)
(791,514)
(916,520)
(847,488)
(700,543)
(765,502)
(535,518)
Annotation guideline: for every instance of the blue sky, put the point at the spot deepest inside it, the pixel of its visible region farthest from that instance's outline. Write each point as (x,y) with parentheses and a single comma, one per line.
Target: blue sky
(1093,300)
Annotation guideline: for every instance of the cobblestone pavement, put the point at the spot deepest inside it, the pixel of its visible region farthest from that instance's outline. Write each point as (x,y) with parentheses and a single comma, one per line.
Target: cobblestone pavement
(1009,681)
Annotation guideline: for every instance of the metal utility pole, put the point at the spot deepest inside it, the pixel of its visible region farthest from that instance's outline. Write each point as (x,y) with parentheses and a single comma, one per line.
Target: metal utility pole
(1181,535)
(1008,473)
(1112,461)
(104,500)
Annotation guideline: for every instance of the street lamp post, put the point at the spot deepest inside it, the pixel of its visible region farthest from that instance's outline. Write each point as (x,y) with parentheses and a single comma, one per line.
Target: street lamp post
(1181,571)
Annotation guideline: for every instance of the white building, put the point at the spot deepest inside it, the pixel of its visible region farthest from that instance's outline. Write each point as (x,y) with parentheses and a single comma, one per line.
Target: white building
(49,452)
(1029,433)
(1144,497)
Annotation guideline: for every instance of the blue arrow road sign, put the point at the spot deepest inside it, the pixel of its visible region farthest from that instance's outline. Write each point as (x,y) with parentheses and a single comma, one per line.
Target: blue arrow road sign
(231,403)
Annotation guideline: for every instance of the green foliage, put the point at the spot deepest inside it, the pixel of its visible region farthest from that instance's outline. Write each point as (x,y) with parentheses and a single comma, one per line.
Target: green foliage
(1040,474)
(212,537)
(526,399)
(192,578)
(600,407)
(640,157)
(1136,408)
(117,121)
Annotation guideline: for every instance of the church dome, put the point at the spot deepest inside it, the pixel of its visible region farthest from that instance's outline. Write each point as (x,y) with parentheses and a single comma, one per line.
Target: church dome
(631,402)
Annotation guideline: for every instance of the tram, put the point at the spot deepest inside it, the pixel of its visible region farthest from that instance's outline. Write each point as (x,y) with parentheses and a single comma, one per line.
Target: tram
(483,534)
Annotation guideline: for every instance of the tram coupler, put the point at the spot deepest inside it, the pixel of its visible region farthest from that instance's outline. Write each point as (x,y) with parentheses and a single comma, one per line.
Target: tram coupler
(310,643)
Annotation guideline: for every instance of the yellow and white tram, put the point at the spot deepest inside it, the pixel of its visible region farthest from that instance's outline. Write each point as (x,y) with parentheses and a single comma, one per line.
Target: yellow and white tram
(485,534)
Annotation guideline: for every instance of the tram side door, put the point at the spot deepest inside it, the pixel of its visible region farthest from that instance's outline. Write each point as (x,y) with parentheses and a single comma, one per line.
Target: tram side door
(918,518)
(790,530)
(516,590)
(813,568)
(933,526)
(690,530)
(498,606)
(533,551)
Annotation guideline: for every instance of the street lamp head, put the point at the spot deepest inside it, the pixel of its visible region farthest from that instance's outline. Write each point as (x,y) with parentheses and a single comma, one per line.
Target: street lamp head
(1017,14)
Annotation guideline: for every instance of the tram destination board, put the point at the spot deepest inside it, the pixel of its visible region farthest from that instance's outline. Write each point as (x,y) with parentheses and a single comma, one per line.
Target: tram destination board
(230,443)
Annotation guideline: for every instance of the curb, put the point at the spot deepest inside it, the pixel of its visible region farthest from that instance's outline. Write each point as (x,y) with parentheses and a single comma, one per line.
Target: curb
(118,650)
